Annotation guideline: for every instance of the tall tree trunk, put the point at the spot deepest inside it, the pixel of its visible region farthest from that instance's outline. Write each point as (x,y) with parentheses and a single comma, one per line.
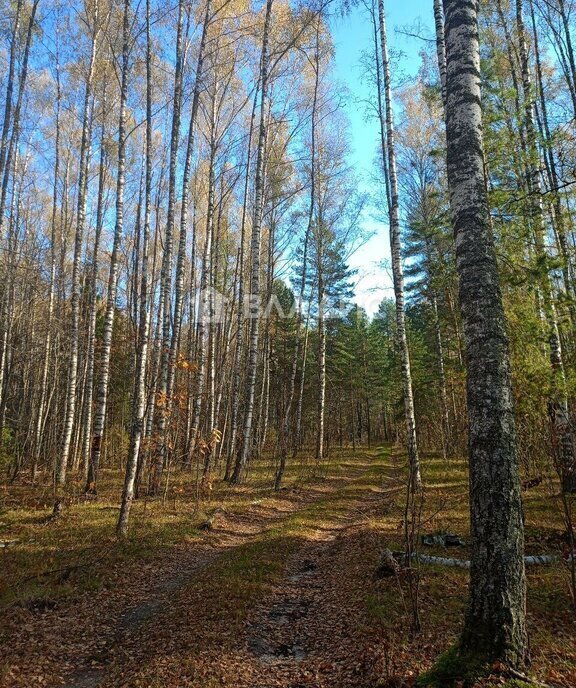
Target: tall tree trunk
(42,403)
(92,298)
(440,46)
(569,50)
(559,411)
(8,320)
(495,619)
(298,439)
(239,349)
(104,373)
(311,207)
(85,145)
(321,399)
(166,279)
(446,432)
(567,268)
(244,450)
(381,116)
(284,440)
(204,311)
(145,457)
(225,381)
(10,88)
(13,143)
(397,271)
(268,344)
(139,400)
(180,262)
(9,154)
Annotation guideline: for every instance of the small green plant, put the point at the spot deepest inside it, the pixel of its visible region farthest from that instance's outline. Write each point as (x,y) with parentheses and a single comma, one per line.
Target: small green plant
(451,667)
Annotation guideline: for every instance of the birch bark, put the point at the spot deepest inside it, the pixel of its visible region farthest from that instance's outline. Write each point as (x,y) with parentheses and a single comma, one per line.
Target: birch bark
(104,373)
(495,619)
(397,271)
(246,444)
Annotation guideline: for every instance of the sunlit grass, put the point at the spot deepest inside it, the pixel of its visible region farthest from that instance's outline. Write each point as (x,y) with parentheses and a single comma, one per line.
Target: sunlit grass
(76,552)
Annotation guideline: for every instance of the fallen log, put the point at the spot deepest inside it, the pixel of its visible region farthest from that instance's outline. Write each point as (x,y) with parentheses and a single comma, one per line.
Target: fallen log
(533,560)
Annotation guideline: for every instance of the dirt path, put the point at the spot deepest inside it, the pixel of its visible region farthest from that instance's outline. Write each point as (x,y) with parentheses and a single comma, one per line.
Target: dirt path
(303,627)
(292,638)
(256,603)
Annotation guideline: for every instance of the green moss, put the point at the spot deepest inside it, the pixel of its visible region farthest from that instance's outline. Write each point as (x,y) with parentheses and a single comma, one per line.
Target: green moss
(453,666)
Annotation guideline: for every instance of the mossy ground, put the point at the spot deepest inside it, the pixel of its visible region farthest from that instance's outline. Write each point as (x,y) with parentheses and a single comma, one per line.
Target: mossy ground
(451,668)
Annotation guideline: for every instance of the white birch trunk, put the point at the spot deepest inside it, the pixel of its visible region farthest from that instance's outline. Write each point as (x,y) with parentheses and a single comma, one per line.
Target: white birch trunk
(139,400)
(85,145)
(244,451)
(397,271)
(562,439)
(104,373)
(166,278)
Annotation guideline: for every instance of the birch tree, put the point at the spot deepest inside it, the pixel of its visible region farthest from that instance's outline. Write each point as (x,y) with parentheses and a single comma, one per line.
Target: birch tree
(85,145)
(559,409)
(139,400)
(166,275)
(397,270)
(244,451)
(104,373)
(495,627)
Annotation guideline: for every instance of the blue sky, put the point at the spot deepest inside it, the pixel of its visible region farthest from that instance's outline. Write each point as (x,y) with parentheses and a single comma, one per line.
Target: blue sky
(353,36)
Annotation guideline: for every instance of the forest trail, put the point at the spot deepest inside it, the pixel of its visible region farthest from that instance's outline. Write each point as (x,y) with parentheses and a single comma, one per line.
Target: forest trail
(256,601)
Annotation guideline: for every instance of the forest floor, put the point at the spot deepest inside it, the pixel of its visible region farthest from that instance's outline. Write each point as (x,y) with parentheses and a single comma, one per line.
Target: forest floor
(280,591)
